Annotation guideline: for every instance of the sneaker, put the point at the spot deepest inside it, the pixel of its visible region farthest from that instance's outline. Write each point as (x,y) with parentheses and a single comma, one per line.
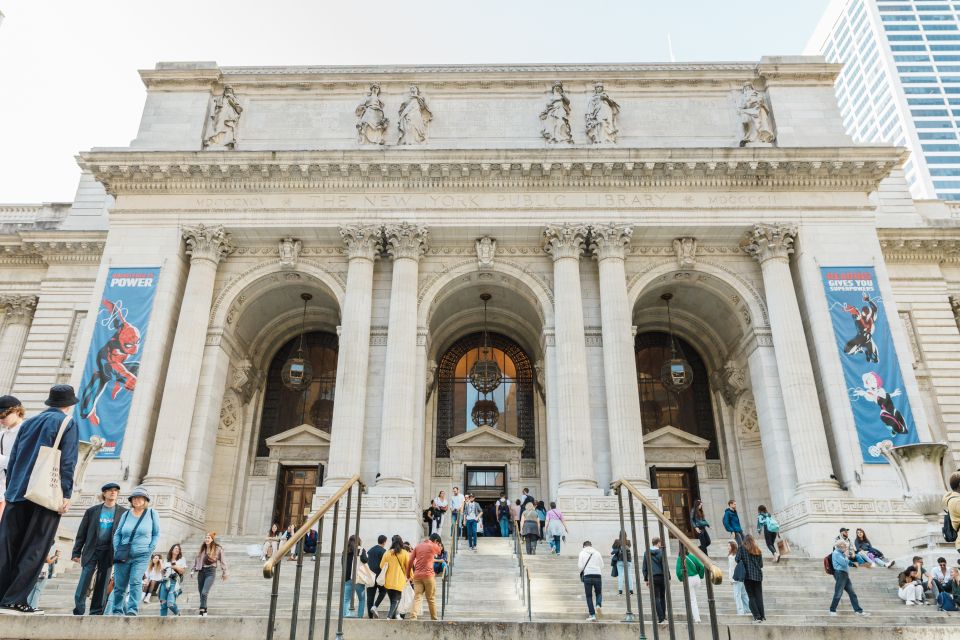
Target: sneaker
(663,623)
(591,618)
(619,593)
(832,613)
(862,614)
(374,615)
(911,603)
(26,610)
(890,564)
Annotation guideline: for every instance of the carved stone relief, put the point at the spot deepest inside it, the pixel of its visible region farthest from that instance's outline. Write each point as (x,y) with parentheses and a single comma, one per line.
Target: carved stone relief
(686,252)
(486,249)
(224,120)
(289,252)
(556,117)
(756,121)
(955,307)
(68,350)
(748,425)
(907,319)
(601,116)
(230,416)
(730,381)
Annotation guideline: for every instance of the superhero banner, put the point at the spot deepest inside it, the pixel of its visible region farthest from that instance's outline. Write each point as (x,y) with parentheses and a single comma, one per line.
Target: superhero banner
(881,409)
(113,362)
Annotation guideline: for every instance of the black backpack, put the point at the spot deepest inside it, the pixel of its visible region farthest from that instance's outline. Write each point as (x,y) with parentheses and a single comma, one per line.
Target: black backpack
(949,533)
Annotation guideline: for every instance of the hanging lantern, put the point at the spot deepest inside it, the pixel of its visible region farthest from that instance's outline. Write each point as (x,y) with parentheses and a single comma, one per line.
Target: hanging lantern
(485,374)
(676,373)
(485,413)
(297,372)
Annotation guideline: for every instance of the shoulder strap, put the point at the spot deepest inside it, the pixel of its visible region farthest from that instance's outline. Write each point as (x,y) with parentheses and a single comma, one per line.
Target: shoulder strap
(137,526)
(63,428)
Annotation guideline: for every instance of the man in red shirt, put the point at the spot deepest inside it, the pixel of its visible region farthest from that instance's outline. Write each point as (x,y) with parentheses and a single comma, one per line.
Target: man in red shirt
(420,570)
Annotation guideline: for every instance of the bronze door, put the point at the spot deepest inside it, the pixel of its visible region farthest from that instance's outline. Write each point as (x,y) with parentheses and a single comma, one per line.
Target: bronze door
(297,486)
(676,491)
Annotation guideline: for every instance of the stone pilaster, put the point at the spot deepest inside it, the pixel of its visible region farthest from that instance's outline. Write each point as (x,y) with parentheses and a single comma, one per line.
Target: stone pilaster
(565,243)
(349,410)
(771,246)
(608,243)
(17,317)
(405,243)
(206,246)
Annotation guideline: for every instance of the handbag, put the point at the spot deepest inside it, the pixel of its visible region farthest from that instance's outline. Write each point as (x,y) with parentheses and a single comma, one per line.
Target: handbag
(365,576)
(740,572)
(406,599)
(44,487)
(122,552)
(783,546)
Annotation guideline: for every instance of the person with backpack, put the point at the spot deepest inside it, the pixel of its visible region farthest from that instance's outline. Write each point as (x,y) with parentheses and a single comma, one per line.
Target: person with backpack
(503,516)
(840,563)
(770,528)
(699,523)
(951,507)
(731,522)
(653,571)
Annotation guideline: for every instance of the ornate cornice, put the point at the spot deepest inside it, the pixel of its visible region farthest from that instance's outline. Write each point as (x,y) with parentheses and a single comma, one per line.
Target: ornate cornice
(53,247)
(933,245)
(766,168)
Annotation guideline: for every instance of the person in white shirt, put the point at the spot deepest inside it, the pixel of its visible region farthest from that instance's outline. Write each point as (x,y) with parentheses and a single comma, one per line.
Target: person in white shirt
(590,565)
(456,503)
(440,506)
(11,417)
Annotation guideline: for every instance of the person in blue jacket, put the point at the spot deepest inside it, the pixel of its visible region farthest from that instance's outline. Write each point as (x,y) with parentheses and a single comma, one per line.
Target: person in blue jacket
(731,522)
(841,577)
(140,529)
(27,530)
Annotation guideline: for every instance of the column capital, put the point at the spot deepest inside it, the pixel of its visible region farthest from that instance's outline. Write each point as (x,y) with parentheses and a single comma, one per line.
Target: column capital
(565,240)
(18,309)
(406,240)
(207,243)
(610,240)
(770,241)
(361,240)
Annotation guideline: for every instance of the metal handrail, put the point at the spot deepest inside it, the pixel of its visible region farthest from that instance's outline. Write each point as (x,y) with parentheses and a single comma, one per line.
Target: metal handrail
(448,573)
(524,571)
(692,548)
(306,526)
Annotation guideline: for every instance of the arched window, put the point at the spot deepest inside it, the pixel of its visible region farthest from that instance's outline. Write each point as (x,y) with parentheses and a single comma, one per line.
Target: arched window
(690,409)
(284,409)
(456,396)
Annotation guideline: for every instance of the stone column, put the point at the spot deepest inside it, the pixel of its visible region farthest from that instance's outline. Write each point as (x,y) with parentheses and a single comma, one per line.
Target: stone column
(18,315)
(608,243)
(566,243)
(353,355)
(771,246)
(206,246)
(406,243)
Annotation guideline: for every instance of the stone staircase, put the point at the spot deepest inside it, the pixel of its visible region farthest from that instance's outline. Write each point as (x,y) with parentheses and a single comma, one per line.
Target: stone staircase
(485,588)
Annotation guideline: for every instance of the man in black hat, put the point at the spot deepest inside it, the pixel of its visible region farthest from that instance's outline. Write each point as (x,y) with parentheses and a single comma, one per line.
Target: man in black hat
(93,549)
(27,529)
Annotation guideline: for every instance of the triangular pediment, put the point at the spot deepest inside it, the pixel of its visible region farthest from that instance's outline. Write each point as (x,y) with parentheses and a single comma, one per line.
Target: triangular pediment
(485,437)
(305,435)
(672,437)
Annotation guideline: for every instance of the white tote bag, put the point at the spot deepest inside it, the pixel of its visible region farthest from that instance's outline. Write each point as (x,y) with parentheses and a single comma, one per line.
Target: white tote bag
(365,575)
(44,486)
(406,600)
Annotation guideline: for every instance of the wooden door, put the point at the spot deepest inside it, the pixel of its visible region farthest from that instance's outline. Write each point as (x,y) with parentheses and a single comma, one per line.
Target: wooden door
(677,492)
(297,486)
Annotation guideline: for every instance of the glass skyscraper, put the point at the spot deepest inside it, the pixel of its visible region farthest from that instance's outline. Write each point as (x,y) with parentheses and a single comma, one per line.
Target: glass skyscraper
(901,82)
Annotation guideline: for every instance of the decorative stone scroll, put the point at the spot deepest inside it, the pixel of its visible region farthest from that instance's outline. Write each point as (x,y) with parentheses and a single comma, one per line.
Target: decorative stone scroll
(414,118)
(371,123)
(601,116)
(556,117)
(755,118)
(224,120)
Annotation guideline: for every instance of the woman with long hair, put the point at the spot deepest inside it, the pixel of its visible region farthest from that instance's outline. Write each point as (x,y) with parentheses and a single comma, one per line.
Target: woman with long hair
(349,587)
(770,528)
(272,542)
(868,551)
(173,569)
(153,576)
(205,567)
(11,417)
(395,563)
(542,518)
(440,506)
(752,558)
(739,590)
(530,527)
(623,557)
(699,523)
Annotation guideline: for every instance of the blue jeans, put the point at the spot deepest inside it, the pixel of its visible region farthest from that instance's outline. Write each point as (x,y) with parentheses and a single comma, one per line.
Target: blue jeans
(168,598)
(472,534)
(504,528)
(454,518)
(591,587)
(128,585)
(38,587)
(842,583)
(555,544)
(361,591)
(629,570)
(740,597)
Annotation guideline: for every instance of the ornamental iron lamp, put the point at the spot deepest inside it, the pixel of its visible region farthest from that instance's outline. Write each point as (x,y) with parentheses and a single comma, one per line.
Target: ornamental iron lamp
(676,373)
(485,376)
(297,372)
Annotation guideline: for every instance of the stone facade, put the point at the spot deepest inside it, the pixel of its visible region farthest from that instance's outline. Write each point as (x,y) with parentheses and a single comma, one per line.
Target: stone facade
(727,185)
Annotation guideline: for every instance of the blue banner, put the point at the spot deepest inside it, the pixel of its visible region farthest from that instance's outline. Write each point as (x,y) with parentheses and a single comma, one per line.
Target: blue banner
(881,409)
(113,361)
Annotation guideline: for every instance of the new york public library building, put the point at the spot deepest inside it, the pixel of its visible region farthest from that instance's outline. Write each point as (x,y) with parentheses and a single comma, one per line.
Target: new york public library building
(379,231)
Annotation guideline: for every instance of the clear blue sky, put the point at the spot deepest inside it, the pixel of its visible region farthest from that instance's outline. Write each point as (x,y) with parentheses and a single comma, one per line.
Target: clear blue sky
(68,69)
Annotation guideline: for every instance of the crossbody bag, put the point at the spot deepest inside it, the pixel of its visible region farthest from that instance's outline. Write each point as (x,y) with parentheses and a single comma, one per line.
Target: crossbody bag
(122,553)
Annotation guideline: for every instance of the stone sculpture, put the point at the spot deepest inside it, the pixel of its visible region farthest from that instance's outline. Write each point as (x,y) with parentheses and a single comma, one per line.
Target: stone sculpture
(486,249)
(414,119)
(556,116)
(755,119)
(289,252)
(371,123)
(224,120)
(601,116)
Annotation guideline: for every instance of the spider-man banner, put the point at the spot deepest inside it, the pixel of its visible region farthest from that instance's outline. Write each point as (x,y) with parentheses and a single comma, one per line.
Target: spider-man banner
(881,409)
(113,362)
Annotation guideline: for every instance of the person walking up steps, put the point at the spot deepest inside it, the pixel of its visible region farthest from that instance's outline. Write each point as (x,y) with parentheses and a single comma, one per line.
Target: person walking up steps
(700,525)
(695,573)
(27,530)
(530,527)
(93,550)
(420,570)
(556,527)
(396,562)
(737,571)
(133,543)
(731,522)
(205,568)
(752,558)
(653,572)
(768,526)
(503,516)
(351,588)
(841,577)
(377,592)
(622,558)
(590,564)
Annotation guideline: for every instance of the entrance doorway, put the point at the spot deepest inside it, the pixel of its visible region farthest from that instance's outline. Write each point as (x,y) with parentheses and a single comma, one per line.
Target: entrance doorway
(486,484)
(676,487)
(295,494)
